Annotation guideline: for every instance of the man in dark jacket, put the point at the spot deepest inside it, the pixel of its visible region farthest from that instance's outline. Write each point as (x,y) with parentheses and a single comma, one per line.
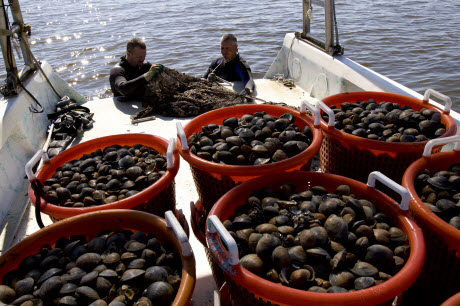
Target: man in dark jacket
(231,66)
(129,77)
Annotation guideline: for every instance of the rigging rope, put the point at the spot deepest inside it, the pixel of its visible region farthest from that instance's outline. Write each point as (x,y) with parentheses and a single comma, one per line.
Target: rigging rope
(41,70)
(335,25)
(4,90)
(32,108)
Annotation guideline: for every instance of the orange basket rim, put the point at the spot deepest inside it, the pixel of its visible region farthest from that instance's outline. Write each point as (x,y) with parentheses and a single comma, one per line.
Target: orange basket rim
(115,219)
(285,295)
(446,231)
(452,301)
(238,170)
(132,201)
(451,127)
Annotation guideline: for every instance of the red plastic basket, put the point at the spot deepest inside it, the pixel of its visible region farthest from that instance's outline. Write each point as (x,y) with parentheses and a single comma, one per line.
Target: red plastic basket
(212,180)
(440,276)
(247,288)
(91,224)
(156,199)
(356,157)
(198,223)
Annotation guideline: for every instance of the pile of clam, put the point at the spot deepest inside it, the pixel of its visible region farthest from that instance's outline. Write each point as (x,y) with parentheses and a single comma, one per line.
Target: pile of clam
(440,192)
(317,241)
(105,176)
(253,139)
(117,268)
(387,121)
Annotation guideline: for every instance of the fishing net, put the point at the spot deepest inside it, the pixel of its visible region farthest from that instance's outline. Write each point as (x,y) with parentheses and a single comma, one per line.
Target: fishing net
(174,94)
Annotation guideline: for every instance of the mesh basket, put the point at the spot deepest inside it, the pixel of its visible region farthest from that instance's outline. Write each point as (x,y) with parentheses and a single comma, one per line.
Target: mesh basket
(439,278)
(355,157)
(212,180)
(198,223)
(156,199)
(247,288)
(91,224)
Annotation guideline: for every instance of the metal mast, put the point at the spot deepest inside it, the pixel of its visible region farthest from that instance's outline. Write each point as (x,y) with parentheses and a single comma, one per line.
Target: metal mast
(22,31)
(331,43)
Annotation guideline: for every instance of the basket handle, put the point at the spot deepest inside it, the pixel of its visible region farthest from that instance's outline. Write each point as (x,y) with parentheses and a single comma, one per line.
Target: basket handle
(170,153)
(33,161)
(405,196)
(181,133)
(314,109)
(215,226)
(441,141)
(216,298)
(171,222)
(439,95)
(329,111)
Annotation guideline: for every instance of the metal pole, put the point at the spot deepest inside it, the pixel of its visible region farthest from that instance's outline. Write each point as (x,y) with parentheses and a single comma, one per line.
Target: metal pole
(7,51)
(329,25)
(17,18)
(306,20)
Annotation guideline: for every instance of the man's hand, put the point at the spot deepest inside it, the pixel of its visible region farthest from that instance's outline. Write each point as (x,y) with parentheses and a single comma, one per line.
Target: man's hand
(212,77)
(248,92)
(155,70)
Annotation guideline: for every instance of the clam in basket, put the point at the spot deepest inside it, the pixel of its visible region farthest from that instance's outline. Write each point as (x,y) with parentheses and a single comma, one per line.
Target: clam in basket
(440,275)
(156,198)
(247,288)
(168,231)
(355,157)
(212,179)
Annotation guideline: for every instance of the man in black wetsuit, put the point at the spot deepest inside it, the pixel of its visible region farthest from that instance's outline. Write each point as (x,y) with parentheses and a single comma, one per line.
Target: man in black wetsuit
(231,66)
(129,77)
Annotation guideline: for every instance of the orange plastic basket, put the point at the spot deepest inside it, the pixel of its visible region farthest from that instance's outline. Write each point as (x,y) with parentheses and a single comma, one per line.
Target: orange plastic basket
(156,199)
(247,288)
(356,157)
(198,222)
(440,276)
(91,224)
(212,180)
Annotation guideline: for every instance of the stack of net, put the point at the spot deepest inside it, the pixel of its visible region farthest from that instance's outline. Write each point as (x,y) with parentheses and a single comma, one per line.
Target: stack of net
(174,94)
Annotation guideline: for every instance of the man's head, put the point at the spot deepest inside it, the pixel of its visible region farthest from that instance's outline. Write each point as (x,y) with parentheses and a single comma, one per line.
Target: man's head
(228,46)
(135,52)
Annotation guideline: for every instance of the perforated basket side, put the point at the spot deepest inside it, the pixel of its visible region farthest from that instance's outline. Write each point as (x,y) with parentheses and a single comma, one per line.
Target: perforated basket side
(161,203)
(341,158)
(439,278)
(198,230)
(210,188)
(239,295)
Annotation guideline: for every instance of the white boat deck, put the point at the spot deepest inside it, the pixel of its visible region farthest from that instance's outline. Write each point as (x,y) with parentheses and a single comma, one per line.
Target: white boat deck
(112,117)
